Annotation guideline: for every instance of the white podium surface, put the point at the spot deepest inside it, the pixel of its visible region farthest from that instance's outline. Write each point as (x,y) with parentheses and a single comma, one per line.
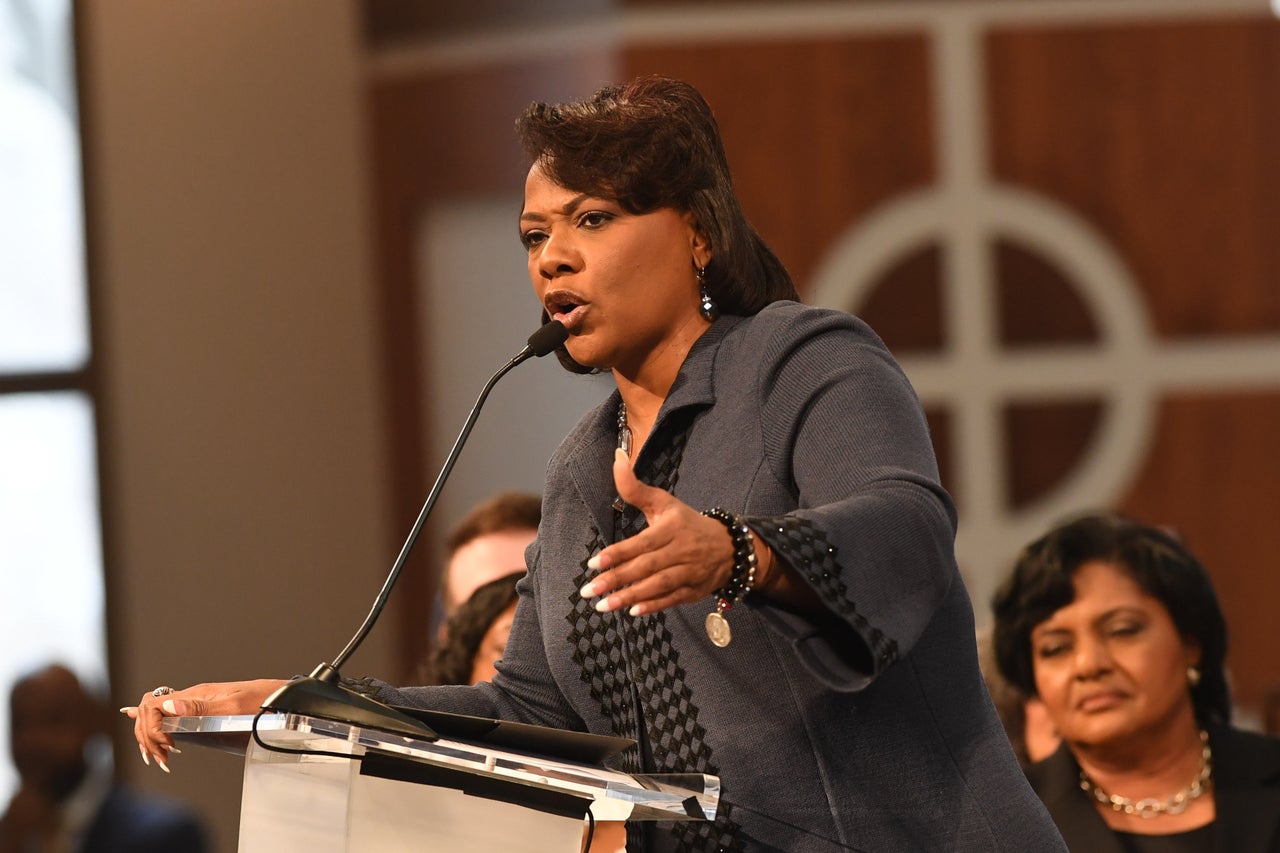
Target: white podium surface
(376,791)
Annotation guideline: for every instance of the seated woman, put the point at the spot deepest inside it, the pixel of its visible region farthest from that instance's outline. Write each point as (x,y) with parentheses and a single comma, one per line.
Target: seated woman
(1116,627)
(476,635)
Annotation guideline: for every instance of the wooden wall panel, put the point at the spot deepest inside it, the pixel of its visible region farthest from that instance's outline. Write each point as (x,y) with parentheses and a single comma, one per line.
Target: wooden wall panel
(1160,135)
(435,136)
(1164,137)
(818,132)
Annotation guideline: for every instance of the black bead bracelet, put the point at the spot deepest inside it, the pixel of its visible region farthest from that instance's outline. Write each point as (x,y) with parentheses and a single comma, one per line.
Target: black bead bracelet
(741,580)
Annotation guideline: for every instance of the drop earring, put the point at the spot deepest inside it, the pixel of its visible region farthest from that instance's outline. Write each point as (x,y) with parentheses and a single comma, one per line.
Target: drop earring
(708,308)
(1193,676)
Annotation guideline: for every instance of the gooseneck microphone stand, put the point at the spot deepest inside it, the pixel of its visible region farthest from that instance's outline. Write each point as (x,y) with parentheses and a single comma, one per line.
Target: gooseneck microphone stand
(320,694)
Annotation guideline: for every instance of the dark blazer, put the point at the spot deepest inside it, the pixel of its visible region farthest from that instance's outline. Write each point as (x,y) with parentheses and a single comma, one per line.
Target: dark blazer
(132,822)
(1246,792)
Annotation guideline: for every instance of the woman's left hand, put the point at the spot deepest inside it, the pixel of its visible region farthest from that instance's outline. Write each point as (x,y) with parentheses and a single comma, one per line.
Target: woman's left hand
(232,697)
(680,557)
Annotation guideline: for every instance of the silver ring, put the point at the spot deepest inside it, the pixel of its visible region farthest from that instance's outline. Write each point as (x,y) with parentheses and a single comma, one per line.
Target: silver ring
(162,691)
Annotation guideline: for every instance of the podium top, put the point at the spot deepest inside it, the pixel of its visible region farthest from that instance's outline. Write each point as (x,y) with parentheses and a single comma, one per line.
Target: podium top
(616,796)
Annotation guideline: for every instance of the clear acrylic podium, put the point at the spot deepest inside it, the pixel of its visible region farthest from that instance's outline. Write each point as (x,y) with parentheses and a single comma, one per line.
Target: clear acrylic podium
(385,792)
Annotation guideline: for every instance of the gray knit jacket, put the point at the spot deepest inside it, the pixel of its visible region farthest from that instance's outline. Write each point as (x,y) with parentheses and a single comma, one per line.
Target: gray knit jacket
(869,729)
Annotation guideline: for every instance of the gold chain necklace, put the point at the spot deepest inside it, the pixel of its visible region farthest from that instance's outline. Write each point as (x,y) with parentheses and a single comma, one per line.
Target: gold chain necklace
(1151,807)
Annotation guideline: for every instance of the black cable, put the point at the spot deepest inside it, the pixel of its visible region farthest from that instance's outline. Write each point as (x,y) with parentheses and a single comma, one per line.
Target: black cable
(591,829)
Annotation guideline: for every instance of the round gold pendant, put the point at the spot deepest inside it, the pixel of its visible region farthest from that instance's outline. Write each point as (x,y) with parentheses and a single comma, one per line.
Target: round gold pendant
(718,629)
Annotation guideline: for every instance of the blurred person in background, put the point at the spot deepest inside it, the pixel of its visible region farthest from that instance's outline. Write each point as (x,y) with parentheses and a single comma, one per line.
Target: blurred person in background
(1115,626)
(488,543)
(69,801)
(476,635)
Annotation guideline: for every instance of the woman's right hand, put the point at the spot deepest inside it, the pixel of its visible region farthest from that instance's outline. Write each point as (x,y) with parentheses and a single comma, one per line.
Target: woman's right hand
(201,700)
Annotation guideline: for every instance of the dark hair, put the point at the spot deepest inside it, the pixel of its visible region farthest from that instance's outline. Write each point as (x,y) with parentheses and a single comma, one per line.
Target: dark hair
(502,512)
(452,661)
(1156,560)
(649,144)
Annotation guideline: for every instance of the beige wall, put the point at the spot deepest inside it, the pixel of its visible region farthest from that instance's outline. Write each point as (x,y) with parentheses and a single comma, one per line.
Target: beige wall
(242,421)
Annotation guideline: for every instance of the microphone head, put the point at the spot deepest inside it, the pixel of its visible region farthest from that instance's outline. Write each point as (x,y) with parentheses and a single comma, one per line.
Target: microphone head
(547,338)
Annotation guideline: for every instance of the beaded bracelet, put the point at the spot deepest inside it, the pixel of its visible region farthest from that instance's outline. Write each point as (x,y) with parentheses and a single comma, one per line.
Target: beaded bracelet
(740,581)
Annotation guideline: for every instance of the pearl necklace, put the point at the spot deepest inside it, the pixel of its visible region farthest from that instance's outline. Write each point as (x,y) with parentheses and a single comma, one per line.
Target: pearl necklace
(1151,807)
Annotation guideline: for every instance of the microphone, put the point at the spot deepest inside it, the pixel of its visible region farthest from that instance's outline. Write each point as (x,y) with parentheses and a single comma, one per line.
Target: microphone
(547,338)
(320,694)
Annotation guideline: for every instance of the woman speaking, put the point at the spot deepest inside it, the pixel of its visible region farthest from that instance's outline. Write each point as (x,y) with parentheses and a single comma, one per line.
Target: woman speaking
(745,561)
